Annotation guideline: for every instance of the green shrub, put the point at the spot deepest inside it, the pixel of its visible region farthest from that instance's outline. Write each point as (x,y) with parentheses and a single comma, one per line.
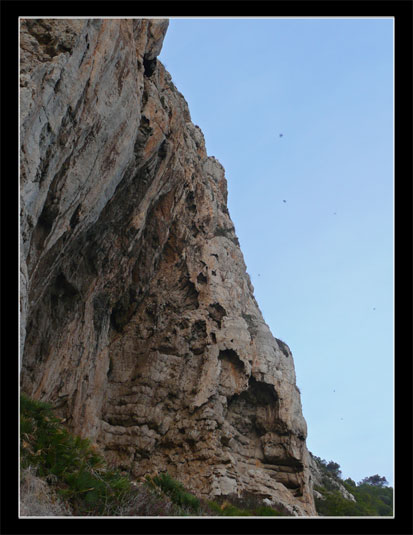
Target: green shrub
(214,507)
(82,476)
(266,511)
(177,492)
(232,510)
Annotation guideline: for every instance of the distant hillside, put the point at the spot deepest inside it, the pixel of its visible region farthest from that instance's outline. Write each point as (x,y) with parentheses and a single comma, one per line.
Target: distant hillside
(337,497)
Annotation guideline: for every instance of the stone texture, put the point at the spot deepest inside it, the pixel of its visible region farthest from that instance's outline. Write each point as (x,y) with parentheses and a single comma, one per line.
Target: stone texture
(138,319)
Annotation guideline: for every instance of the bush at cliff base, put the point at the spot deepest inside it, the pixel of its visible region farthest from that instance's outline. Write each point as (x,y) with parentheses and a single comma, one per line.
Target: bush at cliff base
(79,473)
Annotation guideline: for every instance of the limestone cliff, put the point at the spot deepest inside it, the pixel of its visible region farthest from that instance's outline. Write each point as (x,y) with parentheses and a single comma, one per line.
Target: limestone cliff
(138,319)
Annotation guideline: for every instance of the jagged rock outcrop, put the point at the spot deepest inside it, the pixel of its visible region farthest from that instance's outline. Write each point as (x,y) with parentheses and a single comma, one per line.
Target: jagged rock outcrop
(138,319)
(321,478)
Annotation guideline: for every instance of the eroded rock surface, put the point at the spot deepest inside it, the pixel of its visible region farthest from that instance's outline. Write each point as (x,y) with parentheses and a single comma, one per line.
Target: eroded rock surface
(138,319)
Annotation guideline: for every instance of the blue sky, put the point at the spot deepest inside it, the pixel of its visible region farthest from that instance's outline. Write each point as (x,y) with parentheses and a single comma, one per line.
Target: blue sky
(322,262)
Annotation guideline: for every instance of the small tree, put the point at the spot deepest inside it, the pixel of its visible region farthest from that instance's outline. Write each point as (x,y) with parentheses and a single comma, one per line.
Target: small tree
(319,460)
(350,481)
(334,469)
(376,481)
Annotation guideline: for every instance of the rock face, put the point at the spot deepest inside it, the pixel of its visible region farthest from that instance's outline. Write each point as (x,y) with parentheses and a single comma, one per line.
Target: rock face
(138,320)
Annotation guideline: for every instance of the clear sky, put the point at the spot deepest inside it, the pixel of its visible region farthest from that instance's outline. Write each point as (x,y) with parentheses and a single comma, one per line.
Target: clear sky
(322,262)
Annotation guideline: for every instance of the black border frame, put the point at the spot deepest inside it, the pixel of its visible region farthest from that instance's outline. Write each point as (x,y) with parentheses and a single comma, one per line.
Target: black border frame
(402,12)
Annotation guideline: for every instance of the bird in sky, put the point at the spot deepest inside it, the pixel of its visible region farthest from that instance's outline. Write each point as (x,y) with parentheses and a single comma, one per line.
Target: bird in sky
(284,200)
(281,135)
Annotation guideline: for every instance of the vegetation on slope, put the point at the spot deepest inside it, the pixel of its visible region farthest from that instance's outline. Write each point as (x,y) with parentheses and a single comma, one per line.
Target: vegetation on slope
(373,496)
(68,463)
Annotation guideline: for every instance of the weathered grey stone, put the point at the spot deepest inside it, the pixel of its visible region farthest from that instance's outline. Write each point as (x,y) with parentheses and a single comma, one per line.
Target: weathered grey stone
(135,301)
